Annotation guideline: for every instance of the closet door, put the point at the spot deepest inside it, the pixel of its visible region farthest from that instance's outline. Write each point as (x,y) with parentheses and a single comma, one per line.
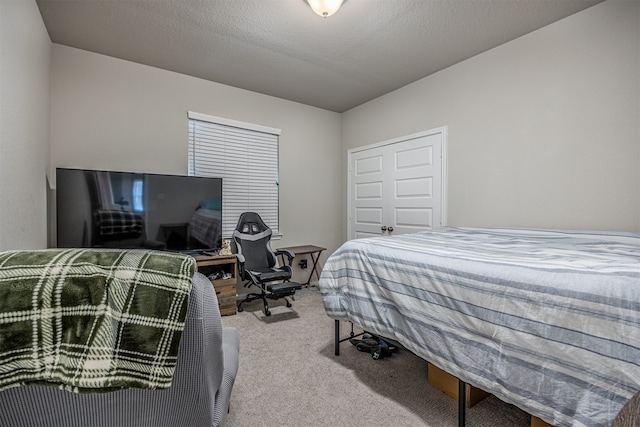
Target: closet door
(367,190)
(397,186)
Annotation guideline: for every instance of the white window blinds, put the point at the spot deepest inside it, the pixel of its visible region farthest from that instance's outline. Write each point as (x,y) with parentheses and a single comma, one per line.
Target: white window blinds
(246,157)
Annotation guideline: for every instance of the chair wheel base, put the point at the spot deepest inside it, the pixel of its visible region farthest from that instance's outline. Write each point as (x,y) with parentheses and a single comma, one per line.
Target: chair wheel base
(289,291)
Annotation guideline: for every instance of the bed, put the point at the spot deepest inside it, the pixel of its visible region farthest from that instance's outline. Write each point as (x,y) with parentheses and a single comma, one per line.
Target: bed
(547,320)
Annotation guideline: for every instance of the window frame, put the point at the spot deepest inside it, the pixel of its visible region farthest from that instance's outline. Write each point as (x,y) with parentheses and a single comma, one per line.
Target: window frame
(272,218)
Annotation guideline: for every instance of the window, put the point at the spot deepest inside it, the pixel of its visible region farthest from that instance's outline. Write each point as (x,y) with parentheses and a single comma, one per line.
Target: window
(245,156)
(138,191)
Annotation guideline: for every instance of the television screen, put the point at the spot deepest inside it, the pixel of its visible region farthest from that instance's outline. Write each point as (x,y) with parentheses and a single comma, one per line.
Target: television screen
(137,210)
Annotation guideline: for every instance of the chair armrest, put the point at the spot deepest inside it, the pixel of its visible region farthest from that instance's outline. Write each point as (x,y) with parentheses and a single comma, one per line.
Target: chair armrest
(287,253)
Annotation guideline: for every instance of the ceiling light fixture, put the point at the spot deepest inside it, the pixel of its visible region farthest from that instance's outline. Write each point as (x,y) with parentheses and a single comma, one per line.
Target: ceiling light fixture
(325,8)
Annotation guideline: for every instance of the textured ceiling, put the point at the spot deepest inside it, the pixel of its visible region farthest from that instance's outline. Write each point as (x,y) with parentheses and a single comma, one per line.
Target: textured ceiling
(281,48)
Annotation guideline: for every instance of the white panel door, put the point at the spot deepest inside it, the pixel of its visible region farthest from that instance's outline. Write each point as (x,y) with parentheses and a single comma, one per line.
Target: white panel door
(397,187)
(414,200)
(367,180)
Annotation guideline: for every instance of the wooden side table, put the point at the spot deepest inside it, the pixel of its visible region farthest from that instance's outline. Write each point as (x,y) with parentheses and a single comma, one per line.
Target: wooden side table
(222,270)
(311,250)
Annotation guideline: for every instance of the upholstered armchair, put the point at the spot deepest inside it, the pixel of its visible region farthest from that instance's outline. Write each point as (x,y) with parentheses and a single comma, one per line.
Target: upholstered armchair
(205,371)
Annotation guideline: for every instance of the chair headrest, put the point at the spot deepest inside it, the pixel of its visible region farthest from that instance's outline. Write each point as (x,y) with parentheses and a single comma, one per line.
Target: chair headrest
(251,228)
(251,223)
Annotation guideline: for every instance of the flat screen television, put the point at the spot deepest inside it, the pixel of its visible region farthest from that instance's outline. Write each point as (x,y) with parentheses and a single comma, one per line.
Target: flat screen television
(137,210)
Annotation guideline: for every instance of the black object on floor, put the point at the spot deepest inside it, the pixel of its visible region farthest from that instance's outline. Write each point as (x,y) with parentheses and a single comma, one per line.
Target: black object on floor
(378,347)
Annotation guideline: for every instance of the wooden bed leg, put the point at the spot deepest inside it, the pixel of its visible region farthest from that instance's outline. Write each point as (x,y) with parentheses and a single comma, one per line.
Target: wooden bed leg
(462,407)
(337,338)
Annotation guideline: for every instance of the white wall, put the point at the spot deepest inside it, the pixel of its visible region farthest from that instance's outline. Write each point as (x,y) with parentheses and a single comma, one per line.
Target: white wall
(25,51)
(112,114)
(543,130)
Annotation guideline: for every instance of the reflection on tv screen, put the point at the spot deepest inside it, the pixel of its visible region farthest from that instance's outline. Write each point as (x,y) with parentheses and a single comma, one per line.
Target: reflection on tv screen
(137,210)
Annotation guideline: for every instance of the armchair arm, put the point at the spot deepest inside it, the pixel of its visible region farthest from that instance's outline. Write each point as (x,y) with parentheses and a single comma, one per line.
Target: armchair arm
(285,252)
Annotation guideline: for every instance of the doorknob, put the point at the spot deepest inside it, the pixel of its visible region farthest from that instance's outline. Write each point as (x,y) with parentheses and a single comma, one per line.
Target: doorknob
(383,228)
(390,229)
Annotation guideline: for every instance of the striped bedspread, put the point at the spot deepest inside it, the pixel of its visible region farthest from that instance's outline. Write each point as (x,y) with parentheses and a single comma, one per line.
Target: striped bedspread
(547,320)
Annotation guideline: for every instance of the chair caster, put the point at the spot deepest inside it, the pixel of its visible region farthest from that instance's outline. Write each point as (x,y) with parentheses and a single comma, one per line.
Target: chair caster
(267,313)
(288,304)
(240,309)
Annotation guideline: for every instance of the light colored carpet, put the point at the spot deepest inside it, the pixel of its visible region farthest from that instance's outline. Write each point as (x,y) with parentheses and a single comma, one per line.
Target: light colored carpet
(289,376)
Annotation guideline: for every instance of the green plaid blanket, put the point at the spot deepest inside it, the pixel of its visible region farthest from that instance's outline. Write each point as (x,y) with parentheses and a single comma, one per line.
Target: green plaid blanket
(92,320)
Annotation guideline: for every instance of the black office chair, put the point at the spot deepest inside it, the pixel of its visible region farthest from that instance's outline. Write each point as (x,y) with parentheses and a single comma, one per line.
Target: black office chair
(258,262)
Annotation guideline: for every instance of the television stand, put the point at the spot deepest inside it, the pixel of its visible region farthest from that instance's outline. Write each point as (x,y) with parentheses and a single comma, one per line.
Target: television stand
(222,271)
